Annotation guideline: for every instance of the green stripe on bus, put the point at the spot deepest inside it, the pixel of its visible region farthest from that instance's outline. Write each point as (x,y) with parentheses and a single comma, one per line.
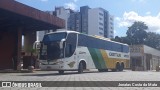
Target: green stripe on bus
(100,59)
(94,58)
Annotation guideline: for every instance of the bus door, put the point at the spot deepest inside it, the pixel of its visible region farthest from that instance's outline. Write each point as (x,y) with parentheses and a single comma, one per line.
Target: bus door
(70,48)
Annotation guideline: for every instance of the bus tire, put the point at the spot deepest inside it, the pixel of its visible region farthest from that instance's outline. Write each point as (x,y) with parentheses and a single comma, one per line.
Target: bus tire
(118,67)
(80,68)
(61,72)
(113,70)
(122,67)
(100,70)
(105,70)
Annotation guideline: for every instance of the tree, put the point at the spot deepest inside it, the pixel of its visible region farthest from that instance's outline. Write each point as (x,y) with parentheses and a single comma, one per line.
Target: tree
(153,40)
(136,33)
(126,40)
(117,39)
(122,40)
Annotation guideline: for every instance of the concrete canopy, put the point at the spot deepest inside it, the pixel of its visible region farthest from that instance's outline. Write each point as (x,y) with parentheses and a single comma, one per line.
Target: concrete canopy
(15,14)
(17,19)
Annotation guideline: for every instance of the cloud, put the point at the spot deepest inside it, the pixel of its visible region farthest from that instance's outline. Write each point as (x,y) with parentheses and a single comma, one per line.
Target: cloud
(71,5)
(153,22)
(117,18)
(148,13)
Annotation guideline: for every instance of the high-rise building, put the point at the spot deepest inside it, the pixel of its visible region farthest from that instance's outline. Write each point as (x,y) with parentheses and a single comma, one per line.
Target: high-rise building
(84,19)
(100,23)
(96,21)
(74,22)
(60,12)
(63,13)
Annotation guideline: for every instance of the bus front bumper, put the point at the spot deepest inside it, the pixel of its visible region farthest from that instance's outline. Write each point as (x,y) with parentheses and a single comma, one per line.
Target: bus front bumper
(51,67)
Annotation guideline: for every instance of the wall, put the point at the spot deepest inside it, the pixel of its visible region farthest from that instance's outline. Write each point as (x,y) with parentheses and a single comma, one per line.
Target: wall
(93,22)
(7,49)
(150,56)
(111,27)
(62,13)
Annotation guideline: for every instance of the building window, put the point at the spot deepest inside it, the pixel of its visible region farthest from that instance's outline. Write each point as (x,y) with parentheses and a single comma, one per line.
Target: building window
(100,28)
(100,23)
(100,33)
(77,21)
(100,18)
(111,19)
(100,14)
(111,23)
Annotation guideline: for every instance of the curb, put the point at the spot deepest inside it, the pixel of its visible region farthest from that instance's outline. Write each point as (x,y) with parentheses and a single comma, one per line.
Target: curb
(16,71)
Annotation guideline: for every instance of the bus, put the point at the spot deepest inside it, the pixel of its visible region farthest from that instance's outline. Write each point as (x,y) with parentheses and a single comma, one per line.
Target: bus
(70,50)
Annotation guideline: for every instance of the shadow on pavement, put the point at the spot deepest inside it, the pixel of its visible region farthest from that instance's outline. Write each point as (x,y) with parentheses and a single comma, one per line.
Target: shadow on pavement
(65,73)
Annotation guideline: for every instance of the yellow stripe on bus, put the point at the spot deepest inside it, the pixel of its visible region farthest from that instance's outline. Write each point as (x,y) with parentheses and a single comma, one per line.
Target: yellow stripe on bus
(105,58)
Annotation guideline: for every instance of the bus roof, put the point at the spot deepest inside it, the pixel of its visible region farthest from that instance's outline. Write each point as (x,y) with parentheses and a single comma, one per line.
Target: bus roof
(63,30)
(106,39)
(94,36)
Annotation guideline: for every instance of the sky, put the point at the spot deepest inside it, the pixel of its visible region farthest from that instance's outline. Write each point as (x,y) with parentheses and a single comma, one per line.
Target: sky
(125,12)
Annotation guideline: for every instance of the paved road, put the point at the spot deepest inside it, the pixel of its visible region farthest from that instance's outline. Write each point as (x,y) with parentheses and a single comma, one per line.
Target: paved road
(93,75)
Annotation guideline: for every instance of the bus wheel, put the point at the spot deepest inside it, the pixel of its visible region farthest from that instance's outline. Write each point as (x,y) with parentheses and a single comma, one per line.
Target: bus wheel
(80,68)
(61,72)
(113,70)
(100,70)
(106,70)
(118,66)
(122,67)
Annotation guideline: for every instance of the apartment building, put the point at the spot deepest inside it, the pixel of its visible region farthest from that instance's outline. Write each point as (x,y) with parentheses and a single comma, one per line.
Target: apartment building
(100,23)
(92,21)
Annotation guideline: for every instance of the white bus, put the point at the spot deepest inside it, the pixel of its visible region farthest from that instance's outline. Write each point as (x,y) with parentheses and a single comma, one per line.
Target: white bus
(70,50)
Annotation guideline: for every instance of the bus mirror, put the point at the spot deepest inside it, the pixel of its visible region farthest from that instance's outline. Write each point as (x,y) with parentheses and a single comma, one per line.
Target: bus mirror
(61,43)
(36,45)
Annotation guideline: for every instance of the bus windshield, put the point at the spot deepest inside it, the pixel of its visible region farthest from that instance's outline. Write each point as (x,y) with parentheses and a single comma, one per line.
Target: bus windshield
(54,37)
(50,46)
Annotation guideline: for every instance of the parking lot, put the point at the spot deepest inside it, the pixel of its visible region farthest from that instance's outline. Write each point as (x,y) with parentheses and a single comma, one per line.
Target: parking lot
(93,75)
